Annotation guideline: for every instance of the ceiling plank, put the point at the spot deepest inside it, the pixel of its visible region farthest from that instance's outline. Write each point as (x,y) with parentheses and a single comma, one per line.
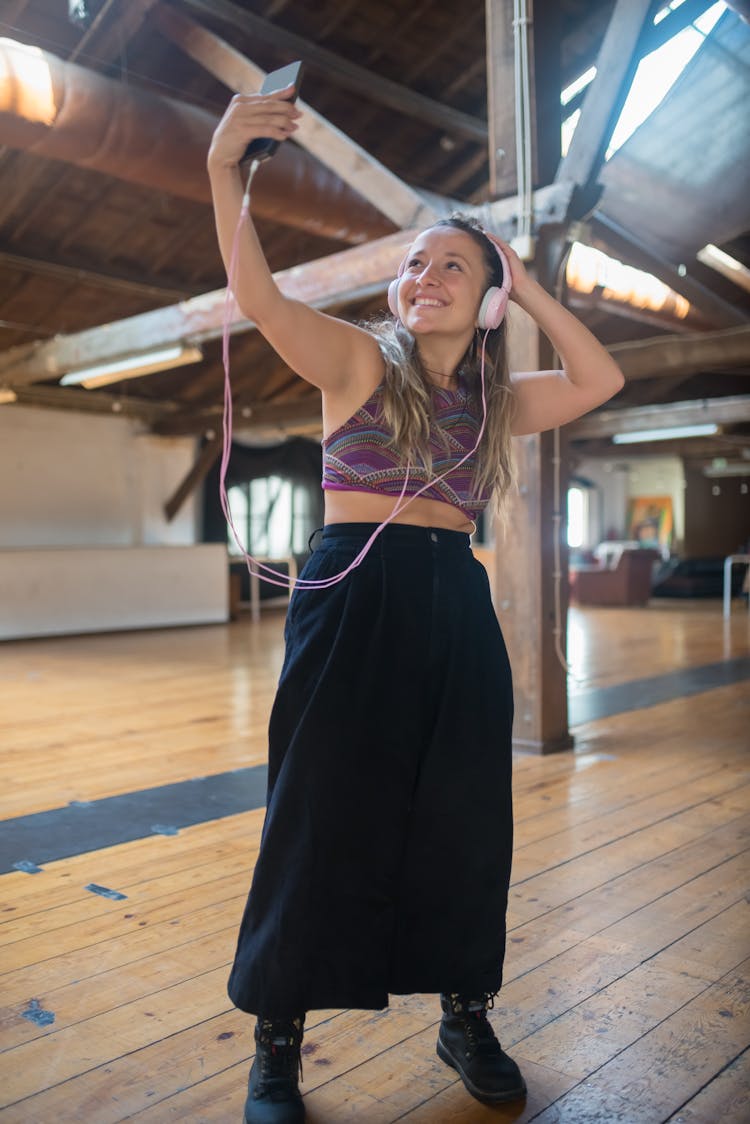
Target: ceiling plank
(616,65)
(345,73)
(71,273)
(684,355)
(605,423)
(396,199)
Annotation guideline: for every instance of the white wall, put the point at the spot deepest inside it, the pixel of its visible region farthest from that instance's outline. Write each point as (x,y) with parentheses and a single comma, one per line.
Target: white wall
(71,479)
(84,543)
(621,479)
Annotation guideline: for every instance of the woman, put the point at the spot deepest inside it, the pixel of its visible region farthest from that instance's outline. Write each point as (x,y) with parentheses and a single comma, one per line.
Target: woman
(385,857)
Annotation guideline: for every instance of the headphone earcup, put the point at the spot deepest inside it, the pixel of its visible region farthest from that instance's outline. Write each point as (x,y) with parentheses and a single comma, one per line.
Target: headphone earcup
(492,309)
(393,295)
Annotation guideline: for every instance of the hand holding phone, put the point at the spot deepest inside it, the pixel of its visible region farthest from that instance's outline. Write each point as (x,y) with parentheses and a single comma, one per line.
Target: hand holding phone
(262,148)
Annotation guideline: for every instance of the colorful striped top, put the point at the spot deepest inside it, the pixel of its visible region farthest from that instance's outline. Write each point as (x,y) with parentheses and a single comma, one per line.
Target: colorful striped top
(358,456)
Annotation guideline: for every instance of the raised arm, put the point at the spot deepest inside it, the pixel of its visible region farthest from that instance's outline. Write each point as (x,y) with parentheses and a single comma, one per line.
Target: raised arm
(589,375)
(322,349)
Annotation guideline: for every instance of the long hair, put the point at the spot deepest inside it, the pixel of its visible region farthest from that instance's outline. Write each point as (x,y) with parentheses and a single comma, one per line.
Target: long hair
(407,402)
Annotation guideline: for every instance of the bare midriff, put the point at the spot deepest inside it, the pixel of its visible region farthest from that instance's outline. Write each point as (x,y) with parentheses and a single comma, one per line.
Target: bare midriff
(367,507)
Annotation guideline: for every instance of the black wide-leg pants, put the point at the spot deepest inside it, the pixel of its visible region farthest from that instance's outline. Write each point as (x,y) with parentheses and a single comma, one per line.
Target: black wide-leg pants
(386,849)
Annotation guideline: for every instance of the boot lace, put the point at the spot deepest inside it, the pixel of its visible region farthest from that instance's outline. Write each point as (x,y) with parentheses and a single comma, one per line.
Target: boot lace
(480,1037)
(278,1056)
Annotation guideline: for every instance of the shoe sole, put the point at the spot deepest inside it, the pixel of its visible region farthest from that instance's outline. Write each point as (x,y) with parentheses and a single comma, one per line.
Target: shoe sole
(488,1098)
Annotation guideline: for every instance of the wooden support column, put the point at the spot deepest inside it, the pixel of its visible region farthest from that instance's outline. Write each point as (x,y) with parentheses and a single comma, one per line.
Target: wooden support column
(524,560)
(543,27)
(524,580)
(500,100)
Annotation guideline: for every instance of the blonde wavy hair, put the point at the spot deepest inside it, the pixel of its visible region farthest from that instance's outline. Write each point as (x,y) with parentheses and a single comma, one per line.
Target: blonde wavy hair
(407,402)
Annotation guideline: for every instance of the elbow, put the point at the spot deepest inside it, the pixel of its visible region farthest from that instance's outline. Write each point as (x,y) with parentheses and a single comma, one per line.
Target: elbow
(618,380)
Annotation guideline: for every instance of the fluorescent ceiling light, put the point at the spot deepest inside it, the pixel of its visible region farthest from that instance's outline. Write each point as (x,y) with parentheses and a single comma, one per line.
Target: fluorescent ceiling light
(634,438)
(132,366)
(7,395)
(725,264)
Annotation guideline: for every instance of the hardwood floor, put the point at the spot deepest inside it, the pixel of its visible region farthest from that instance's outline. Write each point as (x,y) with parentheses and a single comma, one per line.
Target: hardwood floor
(627,993)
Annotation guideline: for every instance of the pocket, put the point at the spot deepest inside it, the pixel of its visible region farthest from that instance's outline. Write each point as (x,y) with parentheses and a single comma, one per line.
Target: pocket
(325,562)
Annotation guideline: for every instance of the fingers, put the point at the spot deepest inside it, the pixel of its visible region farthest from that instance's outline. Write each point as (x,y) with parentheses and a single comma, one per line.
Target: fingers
(248,117)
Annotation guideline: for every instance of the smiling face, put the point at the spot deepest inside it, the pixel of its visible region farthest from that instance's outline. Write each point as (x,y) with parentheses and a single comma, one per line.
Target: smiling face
(443,283)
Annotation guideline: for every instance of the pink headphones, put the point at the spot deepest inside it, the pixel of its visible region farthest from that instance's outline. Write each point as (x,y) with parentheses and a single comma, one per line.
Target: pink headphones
(494,302)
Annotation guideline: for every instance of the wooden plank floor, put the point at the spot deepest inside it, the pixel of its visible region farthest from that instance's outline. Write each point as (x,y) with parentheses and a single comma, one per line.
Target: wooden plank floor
(627,995)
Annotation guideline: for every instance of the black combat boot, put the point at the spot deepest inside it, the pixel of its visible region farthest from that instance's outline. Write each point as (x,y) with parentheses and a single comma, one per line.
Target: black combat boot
(273,1095)
(467,1042)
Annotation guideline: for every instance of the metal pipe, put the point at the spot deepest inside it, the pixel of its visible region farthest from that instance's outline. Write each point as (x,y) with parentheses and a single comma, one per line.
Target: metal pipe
(63,111)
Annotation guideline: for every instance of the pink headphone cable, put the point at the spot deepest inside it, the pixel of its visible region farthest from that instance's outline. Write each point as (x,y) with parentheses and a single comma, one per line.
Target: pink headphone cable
(279,578)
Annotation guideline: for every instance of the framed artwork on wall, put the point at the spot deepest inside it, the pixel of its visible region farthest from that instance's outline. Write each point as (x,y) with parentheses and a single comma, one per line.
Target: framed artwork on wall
(650,520)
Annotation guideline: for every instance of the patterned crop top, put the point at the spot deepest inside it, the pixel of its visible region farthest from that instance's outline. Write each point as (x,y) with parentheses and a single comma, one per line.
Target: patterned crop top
(358,456)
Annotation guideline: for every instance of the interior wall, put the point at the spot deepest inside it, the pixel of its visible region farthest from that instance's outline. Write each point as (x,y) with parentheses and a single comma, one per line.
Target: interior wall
(71,479)
(84,543)
(717,521)
(618,480)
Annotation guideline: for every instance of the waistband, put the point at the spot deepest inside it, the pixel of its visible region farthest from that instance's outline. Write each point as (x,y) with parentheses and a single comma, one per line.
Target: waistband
(393,534)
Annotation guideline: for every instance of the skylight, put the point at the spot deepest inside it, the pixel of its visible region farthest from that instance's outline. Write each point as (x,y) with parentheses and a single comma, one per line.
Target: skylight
(654,78)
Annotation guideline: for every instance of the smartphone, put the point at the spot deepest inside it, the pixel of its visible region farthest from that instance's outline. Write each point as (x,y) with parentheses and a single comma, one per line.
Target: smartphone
(264,147)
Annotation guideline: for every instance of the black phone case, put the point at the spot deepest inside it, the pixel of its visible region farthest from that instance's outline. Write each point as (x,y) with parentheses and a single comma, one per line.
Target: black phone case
(262,148)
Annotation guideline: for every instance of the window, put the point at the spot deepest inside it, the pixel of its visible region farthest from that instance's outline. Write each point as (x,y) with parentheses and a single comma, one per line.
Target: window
(578,512)
(270,515)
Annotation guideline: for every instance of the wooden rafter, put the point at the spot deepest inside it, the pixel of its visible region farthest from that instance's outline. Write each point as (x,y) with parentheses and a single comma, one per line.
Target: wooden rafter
(686,355)
(71,273)
(205,461)
(606,423)
(345,73)
(616,65)
(81,401)
(654,36)
(613,239)
(330,280)
(396,199)
(346,276)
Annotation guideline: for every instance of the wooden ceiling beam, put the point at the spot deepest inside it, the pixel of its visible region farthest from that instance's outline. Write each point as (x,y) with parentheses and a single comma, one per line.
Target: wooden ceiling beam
(205,461)
(336,279)
(585,302)
(107,37)
(70,272)
(608,236)
(146,410)
(356,167)
(616,65)
(303,411)
(685,355)
(344,73)
(331,280)
(633,419)
(654,36)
